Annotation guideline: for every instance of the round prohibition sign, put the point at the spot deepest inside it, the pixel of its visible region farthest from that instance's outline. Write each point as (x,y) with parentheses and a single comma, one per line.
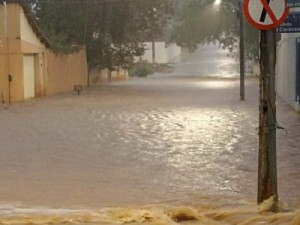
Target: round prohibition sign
(266,14)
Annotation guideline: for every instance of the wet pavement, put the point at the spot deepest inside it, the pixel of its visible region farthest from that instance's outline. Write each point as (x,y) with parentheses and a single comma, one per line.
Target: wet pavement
(210,61)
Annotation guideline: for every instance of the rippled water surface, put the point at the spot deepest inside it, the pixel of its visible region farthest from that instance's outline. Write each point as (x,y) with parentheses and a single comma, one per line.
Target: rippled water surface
(164,149)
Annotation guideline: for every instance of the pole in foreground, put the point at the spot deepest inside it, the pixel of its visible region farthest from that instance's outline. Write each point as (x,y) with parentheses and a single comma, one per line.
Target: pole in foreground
(267,166)
(242,54)
(256,13)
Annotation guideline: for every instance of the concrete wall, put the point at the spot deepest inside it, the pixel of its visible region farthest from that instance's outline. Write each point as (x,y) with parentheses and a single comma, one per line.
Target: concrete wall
(65,71)
(286,68)
(12,19)
(4,72)
(12,63)
(185,54)
(4,60)
(173,53)
(10,53)
(163,53)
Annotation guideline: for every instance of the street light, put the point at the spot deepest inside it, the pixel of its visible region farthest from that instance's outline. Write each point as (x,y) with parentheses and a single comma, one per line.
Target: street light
(217,2)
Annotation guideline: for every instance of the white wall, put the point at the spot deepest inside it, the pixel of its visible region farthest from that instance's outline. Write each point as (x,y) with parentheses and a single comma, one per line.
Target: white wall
(160,53)
(173,53)
(286,68)
(163,54)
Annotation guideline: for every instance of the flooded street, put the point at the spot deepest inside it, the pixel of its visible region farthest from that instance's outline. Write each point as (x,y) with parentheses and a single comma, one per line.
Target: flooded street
(210,60)
(162,149)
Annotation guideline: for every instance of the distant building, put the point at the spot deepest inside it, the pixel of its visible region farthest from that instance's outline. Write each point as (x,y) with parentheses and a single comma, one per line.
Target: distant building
(164,51)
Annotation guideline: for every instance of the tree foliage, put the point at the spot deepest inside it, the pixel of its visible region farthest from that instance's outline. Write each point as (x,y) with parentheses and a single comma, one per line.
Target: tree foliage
(113,31)
(202,21)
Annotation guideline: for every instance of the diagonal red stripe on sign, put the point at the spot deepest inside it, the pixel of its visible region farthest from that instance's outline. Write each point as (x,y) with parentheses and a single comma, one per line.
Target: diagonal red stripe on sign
(269,11)
(251,14)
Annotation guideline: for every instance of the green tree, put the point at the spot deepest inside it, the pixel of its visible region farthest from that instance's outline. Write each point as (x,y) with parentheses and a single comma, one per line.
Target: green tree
(113,31)
(201,21)
(154,17)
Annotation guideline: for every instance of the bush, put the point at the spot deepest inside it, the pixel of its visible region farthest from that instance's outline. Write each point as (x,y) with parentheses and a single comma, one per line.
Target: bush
(141,69)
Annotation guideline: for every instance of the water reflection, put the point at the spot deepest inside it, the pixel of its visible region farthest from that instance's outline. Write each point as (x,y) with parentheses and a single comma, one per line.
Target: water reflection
(193,145)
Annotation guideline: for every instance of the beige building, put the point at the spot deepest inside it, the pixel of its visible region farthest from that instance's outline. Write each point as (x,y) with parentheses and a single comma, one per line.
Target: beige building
(28,68)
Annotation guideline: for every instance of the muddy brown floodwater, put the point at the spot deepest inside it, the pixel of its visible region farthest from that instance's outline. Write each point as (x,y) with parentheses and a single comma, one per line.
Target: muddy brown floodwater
(162,150)
(144,150)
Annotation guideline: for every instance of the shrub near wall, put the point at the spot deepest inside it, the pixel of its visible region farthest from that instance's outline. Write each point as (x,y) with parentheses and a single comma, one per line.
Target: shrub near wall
(143,69)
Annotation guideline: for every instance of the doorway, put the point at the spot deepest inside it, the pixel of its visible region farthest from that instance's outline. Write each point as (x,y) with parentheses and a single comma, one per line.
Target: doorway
(29,84)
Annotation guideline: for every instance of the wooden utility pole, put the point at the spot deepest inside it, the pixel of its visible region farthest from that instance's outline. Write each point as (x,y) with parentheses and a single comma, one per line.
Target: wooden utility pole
(267,168)
(256,13)
(153,51)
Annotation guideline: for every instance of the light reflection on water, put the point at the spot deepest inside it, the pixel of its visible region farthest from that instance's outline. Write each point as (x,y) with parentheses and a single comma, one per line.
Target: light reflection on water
(192,135)
(215,84)
(195,145)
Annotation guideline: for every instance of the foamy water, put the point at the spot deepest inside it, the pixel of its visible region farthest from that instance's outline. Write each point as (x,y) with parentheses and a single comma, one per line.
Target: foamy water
(214,213)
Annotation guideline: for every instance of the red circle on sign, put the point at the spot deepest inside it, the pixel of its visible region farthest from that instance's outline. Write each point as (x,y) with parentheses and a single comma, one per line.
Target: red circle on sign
(265,26)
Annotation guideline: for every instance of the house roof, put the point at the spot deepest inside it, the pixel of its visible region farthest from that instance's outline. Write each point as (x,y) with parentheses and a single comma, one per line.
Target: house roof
(36,29)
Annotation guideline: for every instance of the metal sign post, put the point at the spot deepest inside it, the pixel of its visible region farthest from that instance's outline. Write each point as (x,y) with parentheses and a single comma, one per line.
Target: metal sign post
(242,52)
(266,15)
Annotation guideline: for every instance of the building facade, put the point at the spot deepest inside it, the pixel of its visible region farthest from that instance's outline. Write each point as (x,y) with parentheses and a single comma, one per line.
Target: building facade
(28,68)
(164,52)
